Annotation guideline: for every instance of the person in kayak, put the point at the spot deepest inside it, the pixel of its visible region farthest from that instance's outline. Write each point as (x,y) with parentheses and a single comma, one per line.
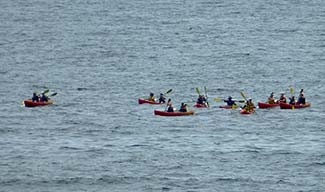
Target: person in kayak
(151,97)
(271,100)
(282,98)
(249,105)
(169,106)
(201,100)
(230,102)
(183,108)
(44,98)
(162,99)
(301,98)
(35,97)
(292,100)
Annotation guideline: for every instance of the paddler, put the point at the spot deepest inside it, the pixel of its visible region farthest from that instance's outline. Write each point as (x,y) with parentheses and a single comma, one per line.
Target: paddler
(282,98)
(230,102)
(292,100)
(151,97)
(183,108)
(301,98)
(201,100)
(249,105)
(35,97)
(162,99)
(271,100)
(44,98)
(170,107)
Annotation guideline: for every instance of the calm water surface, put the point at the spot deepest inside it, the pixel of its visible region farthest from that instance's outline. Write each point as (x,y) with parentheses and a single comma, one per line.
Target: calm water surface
(100,56)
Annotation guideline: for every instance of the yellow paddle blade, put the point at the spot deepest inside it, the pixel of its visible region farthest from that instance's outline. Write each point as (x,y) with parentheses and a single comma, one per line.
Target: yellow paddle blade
(291,90)
(243,95)
(197,90)
(217,99)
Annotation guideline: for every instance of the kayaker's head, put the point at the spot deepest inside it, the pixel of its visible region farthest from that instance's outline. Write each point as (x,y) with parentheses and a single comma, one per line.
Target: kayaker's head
(229,97)
(161,94)
(272,94)
(151,94)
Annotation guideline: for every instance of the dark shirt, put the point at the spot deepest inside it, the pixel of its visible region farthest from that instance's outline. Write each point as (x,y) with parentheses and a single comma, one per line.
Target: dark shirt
(162,99)
(44,99)
(170,109)
(35,98)
(230,102)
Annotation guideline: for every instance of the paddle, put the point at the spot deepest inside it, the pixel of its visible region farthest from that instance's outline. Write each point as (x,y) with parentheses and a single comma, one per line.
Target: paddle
(243,95)
(206,95)
(197,90)
(169,91)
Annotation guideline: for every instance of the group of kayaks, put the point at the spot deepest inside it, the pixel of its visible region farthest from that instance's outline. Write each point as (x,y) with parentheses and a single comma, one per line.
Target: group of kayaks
(261,105)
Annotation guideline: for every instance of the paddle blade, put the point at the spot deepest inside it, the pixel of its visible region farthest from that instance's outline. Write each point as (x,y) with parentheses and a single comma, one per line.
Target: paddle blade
(169,91)
(217,99)
(197,90)
(46,91)
(205,90)
(291,90)
(53,94)
(243,95)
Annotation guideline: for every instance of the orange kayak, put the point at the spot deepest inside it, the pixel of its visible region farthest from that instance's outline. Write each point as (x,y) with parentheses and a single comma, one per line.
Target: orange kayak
(30,103)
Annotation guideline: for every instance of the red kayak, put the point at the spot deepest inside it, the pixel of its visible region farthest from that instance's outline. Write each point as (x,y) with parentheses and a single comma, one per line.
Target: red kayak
(244,112)
(228,107)
(175,113)
(295,106)
(198,105)
(142,101)
(262,105)
(30,103)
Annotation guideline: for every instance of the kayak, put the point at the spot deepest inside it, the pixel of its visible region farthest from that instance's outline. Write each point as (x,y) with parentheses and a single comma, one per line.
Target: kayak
(175,113)
(267,105)
(228,107)
(295,106)
(244,112)
(30,103)
(142,101)
(198,105)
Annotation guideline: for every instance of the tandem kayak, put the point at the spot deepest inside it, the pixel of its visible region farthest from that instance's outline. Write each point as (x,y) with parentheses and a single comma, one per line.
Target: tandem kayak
(244,112)
(30,103)
(143,101)
(295,106)
(198,105)
(175,113)
(228,106)
(267,105)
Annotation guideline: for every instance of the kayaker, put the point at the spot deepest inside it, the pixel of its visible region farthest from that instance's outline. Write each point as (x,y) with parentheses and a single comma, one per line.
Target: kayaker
(151,97)
(271,100)
(249,105)
(169,106)
(282,98)
(229,101)
(201,100)
(44,98)
(292,100)
(301,98)
(35,97)
(162,99)
(183,108)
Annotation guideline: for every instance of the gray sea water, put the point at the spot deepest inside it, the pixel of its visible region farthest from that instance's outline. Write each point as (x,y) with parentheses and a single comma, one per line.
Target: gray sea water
(100,56)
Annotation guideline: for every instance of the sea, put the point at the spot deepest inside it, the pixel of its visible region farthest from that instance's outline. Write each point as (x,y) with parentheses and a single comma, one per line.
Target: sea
(100,56)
